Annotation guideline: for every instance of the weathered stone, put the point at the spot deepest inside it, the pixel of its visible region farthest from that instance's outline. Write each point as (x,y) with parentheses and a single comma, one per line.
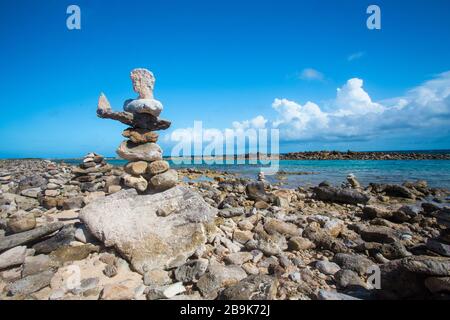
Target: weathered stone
(164,181)
(135,152)
(439,247)
(379,234)
(427,265)
(129,222)
(323,240)
(138,183)
(166,292)
(340,195)
(299,244)
(150,106)
(191,271)
(373,211)
(117,291)
(28,236)
(277,226)
(13,257)
(32,192)
(255,287)
(139,136)
(238,258)
(73,203)
(394,190)
(136,168)
(327,267)
(156,277)
(110,271)
(354,262)
(62,238)
(68,253)
(143,82)
(333,295)
(348,278)
(21,221)
(157,167)
(30,284)
(36,264)
(219,276)
(256,192)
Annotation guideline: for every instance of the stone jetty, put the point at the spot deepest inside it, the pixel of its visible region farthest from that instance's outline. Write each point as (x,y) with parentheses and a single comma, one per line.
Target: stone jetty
(146,169)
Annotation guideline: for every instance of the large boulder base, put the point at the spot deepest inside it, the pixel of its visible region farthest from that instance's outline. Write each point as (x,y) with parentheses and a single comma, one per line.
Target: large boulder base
(134,226)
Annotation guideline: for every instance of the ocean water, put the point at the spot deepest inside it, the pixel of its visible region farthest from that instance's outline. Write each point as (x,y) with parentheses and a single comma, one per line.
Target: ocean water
(312,172)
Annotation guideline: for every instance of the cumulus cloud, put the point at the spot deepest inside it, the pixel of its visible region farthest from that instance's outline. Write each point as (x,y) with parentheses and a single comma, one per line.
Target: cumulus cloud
(311,75)
(353,116)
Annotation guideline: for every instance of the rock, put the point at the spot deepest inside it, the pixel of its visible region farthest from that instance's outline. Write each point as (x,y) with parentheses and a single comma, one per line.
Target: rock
(277,226)
(136,168)
(256,192)
(238,258)
(354,183)
(31,193)
(34,181)
(28,236)
(157,167)
(191,271)
(394,190)
(143,82)
(272,246)
(166,292)
(21,221)
(439,247)
(299,244)
(83,235)
(110,271)
(150,106)
(138,183)
(164,181)
(156,277)
(326,267)
(129,223)
(348,278)
(255,287)
(426,265)
(117,291)
(373,211)
(62,238)
(68,253)
(332,295)
(438,284)
(114,189)
(354,262)
(379,234)
(30,284)
(73,203)
(140,136)
(340,195)
(36,264)
(334,227)
(131,151)
(323,240)
(242,236)
(219,276)
(232,212)
(13,257)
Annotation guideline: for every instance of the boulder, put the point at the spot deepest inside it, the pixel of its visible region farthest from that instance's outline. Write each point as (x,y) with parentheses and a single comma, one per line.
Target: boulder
(254,287)
(157,167)
(131,151)
(164,181)
(341,195)
(130,223)
(150,106)
(138,183)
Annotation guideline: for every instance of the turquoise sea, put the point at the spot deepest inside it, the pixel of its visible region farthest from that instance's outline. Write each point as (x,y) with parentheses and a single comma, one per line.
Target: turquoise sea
(312,172)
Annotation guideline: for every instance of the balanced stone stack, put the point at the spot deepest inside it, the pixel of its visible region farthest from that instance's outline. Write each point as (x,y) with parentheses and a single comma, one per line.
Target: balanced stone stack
(90,174)
(146,169)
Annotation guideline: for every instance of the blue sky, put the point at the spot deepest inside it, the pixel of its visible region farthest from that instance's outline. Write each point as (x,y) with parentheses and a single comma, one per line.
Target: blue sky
(227,61)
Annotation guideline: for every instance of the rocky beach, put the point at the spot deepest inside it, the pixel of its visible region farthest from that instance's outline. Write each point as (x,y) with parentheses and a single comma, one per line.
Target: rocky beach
(145,231)
(62,237)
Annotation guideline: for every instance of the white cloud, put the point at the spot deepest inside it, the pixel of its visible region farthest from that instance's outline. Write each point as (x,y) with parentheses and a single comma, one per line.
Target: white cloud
(356,55)
(354,116)
(311,74)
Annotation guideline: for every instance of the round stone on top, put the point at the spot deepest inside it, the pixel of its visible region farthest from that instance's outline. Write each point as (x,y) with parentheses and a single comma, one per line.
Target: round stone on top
(143,82)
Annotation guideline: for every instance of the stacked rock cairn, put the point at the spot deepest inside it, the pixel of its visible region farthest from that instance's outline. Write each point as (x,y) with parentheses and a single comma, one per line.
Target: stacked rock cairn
(146,170)
(90,175)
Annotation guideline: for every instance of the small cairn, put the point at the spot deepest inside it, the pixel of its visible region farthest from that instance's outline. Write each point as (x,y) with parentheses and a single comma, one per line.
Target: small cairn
(261,176)
(90,175)
(146,169)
